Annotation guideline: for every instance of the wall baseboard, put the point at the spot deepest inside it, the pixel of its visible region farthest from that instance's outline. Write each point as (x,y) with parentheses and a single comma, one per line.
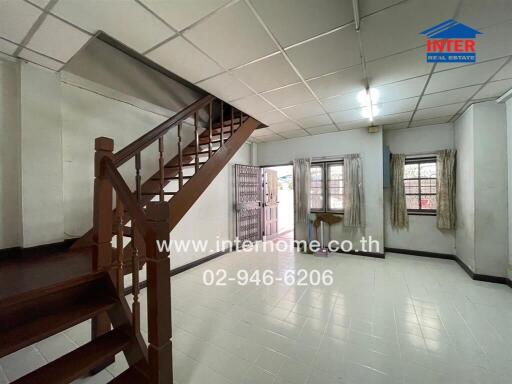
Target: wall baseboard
(183,268)
(464,266)
(45,249)
(434,255)
(377,255)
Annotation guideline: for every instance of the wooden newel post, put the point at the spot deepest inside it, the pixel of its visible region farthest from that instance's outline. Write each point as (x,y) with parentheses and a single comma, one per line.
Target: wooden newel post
(159,296)
(102,223)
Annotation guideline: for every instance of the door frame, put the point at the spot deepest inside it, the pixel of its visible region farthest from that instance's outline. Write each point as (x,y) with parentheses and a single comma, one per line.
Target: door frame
(293,186)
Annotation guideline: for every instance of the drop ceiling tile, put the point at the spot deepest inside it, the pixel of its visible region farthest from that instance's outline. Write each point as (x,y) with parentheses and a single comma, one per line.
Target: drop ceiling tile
(322,129)
(295,133)
(6,47)
(505,72)
(398,28)
(182,58)
(182,13)
(430,113)
(270,117)
(494,42)
(292,21)
(288,96)
(494,89)
(367,7)
(57,39)
(252,104)
(314,121)
(394,119)
(398,67)
(270,73)
(433,121)
(448,97)
(124,20)
(327,54)
(261,132)
(16,19)
(285,126)
(233,36)
(463,76)
(40,3)
(397,106)
(347,116)
(36,58)
(267,138)
(345,81)
(482,13)
(401,89)
(225,87)
(341,103)
(303,110)
(353,124)
(402,125)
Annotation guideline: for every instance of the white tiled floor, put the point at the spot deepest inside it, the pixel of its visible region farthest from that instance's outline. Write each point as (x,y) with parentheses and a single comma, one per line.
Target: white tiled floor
(404,319)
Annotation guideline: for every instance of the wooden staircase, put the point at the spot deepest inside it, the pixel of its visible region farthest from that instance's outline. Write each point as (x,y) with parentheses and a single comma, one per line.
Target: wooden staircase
(139,219)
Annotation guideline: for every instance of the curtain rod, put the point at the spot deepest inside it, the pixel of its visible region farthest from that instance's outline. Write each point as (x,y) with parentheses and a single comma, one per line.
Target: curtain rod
(339,157)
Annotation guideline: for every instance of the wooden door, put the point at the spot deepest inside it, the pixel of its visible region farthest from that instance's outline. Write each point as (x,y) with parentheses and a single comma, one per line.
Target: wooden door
(248,191)
(270,203)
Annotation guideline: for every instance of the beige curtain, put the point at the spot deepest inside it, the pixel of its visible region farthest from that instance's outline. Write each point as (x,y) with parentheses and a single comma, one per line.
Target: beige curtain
(353,215)
(399,216)
(301,188)
(446,212)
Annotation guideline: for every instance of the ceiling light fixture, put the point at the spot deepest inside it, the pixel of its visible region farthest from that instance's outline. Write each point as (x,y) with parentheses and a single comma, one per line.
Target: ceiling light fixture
(367,98)
(357,20)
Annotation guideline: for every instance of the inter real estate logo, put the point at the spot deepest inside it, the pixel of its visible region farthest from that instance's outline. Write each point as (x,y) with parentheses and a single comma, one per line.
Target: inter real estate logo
(451,42)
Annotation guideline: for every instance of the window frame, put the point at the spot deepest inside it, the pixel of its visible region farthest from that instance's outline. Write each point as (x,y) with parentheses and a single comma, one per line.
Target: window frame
(419,161)
(325,165)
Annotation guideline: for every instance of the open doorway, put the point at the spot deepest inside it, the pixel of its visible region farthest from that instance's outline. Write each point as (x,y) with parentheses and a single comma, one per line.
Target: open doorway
(278,202)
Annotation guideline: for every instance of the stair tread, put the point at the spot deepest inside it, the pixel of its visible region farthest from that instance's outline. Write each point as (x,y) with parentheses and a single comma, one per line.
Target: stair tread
(130,376)
(28,322)
(185,165)
(82,360)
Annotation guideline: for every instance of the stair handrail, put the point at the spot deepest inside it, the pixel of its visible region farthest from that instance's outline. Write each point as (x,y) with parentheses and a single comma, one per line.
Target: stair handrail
(125,154)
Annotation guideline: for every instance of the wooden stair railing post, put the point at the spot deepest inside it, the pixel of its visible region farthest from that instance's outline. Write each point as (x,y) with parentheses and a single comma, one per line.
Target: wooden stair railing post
(159,296)
(210,123)
(102,223)
(196,138)
(221,123)
(180,159)
(120,245)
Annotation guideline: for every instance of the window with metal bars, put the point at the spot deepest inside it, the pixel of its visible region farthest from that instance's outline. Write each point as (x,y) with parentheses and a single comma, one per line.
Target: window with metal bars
(420,179)
(327,186)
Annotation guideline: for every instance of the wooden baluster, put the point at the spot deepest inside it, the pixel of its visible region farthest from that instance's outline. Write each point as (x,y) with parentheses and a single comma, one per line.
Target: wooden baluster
(161,166)
(102,223)
(135,280)
(232,122)
(210,123)
(196,132)
(120,245)
(221,123)
(138,190)
(241,118)
(159,297)
(180,158)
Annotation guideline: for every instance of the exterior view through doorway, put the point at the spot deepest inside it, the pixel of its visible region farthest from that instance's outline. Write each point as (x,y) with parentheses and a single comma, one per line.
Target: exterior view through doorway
(278,202)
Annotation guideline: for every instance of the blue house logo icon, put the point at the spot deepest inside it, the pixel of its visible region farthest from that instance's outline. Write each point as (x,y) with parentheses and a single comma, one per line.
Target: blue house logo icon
(451,42)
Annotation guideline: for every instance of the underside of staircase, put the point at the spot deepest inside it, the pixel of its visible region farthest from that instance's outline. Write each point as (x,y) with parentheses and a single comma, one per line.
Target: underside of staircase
(127,225)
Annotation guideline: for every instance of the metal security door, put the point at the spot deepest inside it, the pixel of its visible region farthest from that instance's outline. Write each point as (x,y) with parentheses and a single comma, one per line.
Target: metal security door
(270,203)
(248,202)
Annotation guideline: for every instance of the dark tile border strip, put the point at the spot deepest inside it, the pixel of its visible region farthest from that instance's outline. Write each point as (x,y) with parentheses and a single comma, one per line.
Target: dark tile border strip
(473,275)
(377,255)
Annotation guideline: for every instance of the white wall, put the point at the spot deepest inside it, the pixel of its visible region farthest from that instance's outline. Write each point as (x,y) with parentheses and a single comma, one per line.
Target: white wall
(10,168)
(509,163)
(338,144)
(482,188)
(422,234)
(491,189)
(465,198)
(211,217)
(41,156)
